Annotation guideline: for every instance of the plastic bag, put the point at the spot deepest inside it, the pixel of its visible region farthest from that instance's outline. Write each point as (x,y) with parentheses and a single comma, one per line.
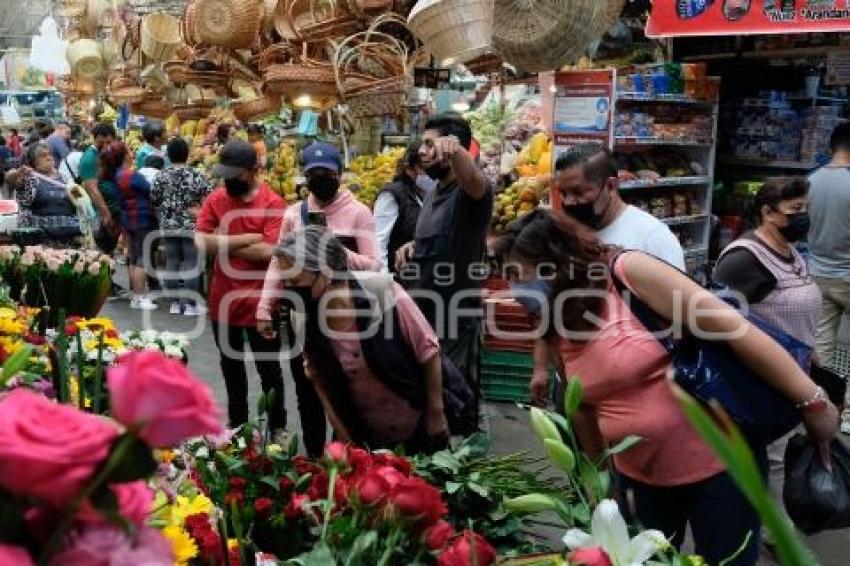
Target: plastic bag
(816,500)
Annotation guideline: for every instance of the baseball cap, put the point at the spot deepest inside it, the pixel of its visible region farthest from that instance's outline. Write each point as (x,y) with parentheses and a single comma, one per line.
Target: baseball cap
(235,157)
(320,154)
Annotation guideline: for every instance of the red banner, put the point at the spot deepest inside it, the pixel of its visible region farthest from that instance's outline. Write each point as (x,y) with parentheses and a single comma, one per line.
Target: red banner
(738,17)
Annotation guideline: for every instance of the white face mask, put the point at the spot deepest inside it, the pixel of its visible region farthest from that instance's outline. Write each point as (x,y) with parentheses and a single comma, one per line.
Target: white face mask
(426,183)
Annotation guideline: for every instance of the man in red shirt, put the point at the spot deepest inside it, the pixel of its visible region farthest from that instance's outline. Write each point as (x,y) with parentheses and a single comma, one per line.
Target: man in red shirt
(239,224)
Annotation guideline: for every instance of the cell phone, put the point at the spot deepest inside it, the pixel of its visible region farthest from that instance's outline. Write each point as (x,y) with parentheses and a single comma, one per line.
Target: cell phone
(317,219)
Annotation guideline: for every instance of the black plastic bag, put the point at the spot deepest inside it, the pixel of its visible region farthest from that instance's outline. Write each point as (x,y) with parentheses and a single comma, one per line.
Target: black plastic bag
(816,499)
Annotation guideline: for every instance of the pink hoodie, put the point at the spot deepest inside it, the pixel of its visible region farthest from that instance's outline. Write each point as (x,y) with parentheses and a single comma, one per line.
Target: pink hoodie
(345,216)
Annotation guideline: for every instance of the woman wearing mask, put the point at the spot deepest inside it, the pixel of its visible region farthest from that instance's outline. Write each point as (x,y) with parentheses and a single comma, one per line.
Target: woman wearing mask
(398,205)
(44,201)
(351,223)
(765,268)
(380,389)
(671,476)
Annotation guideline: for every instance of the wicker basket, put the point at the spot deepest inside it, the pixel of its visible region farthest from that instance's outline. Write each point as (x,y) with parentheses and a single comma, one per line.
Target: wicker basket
(382,99)
(281,21)
(542,35)
(364,10)
(485,64)
(247,110)
(76,86)
(234,24)
(454,31)
(85,58)
(290,75)
(319,20)
(123,88)
(176,70)
(160,36)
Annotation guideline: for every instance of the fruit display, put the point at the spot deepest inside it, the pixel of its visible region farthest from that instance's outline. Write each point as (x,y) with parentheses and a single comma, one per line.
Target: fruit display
(652,166)
(133,140)
(372,172)
(489,122)
(520,198)
(535,158)
(281,178)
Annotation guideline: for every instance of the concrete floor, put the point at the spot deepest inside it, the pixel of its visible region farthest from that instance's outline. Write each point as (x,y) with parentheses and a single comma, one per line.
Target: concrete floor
(506,423)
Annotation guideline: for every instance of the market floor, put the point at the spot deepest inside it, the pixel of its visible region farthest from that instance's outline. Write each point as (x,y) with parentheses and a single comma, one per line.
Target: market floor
(506,423)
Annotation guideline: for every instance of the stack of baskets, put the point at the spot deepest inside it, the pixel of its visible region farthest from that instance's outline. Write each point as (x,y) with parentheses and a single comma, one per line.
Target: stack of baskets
(454,31)
(123,87)
(291,74)
(257,106)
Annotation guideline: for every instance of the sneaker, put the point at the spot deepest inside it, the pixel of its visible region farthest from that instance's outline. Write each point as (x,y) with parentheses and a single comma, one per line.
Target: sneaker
(142,303)
(195,310)
(175,308)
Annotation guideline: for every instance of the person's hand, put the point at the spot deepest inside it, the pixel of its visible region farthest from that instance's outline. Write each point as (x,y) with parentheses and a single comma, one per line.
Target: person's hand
(540,389)
(436,426)
(822,425)
(445,148)
(403,255)
(266,329)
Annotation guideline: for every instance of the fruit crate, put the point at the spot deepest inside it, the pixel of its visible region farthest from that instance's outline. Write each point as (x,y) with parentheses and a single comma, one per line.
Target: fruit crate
(505,376)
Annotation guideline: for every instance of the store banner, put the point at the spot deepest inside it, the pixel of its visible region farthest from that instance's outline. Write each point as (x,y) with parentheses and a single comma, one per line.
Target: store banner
(581,110)
(671,18)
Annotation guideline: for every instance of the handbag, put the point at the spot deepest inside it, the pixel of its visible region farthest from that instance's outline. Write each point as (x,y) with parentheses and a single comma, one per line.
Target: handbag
(710,370)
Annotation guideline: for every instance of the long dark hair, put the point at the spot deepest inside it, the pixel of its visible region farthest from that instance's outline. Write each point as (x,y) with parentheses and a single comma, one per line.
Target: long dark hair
(111,160)
(774,191)
(546,237)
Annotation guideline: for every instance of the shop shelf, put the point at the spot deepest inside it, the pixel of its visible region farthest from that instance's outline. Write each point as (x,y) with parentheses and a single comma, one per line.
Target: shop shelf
(662,98)
(665,182)
(684,219)
(683,142)
(767,163)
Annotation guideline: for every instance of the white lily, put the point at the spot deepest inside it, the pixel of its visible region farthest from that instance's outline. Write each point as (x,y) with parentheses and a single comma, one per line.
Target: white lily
(609,531)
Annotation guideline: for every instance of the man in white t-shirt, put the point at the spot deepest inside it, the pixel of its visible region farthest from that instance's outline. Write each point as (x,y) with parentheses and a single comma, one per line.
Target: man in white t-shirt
(586,180)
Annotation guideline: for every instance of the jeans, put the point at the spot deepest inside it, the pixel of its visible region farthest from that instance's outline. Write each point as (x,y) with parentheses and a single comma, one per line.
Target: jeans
(236,378)
(717,511)
(181,256)
(835,303)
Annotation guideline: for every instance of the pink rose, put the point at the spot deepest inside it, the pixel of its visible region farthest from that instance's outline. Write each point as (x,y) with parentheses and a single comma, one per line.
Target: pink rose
(438,536)
(336,452)
(14,556)
(48,450)
(105,545)
(94,268)
(135,500)
(595,556)
(158,394)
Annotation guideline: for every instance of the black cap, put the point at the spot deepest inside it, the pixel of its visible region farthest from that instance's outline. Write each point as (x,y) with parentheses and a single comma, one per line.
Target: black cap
(234,158)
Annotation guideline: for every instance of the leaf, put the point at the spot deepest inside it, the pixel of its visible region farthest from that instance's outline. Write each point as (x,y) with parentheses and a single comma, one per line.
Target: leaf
(105,501)
(476,446)
(445,460)
(15,363)
(293,445)
(561,422)
(479,489)
(581,512)
(321,555)
(261,405)
(137,462)
(360,548)
(621,447)
(572,396)
(271,482)
(560,455)
(452,487)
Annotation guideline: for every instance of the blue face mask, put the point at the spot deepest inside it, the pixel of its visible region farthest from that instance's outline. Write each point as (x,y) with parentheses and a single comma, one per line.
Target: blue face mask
(532,295)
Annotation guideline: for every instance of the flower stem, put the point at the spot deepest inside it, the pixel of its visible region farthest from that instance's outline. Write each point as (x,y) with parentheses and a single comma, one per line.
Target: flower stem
(330,501)
(98,376)
(115,458)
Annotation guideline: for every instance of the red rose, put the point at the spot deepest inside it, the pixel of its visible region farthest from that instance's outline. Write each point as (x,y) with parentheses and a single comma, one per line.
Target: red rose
(336,453)
(469,549)
(295,507)
(372,488)
(209,543)
(234,556)
(589,557)
(400,463)
(286,485)
(359,459)
(390,475)
(318,487)
(417,499)
(197,522)
(263,506)
(303,465)
(438,536)
(71,329)
(112,333)
(237,483)
(342,487)
(160,395)
(35,339)
(234,497)
(47,450)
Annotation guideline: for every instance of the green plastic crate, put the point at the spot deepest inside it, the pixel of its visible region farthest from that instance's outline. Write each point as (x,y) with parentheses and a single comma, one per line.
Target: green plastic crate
(505,376)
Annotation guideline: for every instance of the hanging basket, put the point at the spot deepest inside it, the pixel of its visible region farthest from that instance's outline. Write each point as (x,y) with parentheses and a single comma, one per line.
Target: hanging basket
(75,86)
(153,106)
(384,98)
(289,75)
(234,24)
(160,36)
(319,20)
(454,31)
(365,10)
(85,58)
(176,70)
(264,105)
(124,89)
(542,35)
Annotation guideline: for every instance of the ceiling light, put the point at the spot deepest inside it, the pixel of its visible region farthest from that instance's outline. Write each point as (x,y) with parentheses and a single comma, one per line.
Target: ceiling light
(460,106)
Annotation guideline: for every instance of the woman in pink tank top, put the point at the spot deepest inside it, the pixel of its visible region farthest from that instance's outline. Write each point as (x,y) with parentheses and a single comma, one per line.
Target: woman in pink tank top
(671,475)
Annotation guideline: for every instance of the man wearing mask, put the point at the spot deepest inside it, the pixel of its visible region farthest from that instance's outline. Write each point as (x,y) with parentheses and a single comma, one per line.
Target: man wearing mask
(351,223)
(586,180)
(438,267)
(398,205)
(239,224)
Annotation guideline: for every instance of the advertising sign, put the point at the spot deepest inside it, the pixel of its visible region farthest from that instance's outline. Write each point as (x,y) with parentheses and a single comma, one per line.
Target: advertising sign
(736,17)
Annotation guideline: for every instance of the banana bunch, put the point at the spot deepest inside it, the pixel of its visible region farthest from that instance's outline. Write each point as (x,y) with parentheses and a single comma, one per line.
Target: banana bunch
(172,124)
(372,172)
(187,129)
(133,139)
(281,178)
(109,114)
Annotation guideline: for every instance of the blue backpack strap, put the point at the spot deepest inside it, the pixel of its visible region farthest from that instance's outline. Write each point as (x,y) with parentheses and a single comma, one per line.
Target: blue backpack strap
(304,213)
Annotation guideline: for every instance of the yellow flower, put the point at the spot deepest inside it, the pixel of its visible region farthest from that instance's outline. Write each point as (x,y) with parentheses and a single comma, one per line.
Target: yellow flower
(184,507)
(165,456)
(181,543)
(6,313)
(232,543)
(95,324)
(12,326)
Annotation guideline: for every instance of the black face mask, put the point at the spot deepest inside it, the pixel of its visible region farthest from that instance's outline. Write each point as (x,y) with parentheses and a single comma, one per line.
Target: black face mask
(797,228)
(237,188)
(323,188)
(438,171)
(586,212)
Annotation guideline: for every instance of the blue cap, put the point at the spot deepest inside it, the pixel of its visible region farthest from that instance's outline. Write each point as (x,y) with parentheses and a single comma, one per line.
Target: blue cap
(324,155)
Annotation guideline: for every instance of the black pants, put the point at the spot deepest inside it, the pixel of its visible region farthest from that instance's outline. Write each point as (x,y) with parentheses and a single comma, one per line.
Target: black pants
(314,428)
(236,378)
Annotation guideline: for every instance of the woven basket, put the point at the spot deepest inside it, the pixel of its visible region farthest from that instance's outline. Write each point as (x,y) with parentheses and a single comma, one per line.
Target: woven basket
(293,75)
(454,31)
(85,58)
(234,24)
(281,21)
(485,64)
(160,36)
(247,110)
(76,86)
(541,35)
(197,110)
(176,70)
(384,99)
(364,10)
(123,88)
(319,20)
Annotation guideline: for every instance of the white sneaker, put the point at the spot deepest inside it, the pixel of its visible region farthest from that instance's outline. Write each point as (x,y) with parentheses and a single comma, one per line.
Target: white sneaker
(175,308)
(142,303)
(195,310)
